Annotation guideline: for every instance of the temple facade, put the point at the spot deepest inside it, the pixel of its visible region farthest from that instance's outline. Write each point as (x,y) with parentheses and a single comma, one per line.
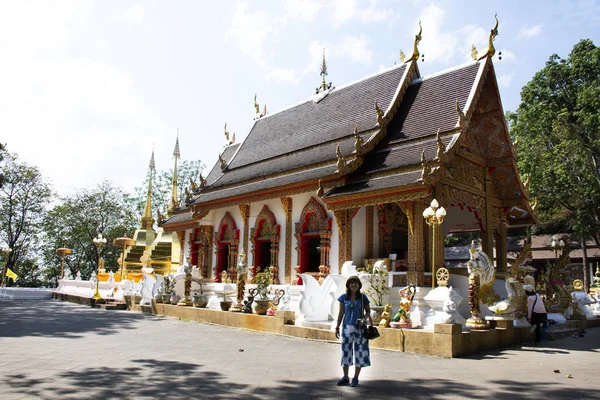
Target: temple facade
(347,174)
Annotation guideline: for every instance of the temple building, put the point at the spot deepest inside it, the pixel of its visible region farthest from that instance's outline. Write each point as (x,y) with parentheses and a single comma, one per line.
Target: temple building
(346,176)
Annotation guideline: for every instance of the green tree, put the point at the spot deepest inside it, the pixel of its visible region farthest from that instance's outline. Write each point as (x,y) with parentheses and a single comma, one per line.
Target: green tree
(2,150)
(557,129)
(77,219)
(23,198)
(162,185)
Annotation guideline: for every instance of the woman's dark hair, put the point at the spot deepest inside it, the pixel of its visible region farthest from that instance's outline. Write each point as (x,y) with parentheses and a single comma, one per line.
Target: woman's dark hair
(348,291)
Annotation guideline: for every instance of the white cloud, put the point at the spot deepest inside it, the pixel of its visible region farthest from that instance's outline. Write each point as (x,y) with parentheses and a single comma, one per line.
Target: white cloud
(78,119)
(345,11)
(505,80)
(355,49)
(303,9)
(135,14)
(529,32)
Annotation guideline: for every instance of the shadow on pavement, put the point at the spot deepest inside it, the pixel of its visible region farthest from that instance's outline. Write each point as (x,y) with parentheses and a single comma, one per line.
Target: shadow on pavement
(56,319)
(153,378)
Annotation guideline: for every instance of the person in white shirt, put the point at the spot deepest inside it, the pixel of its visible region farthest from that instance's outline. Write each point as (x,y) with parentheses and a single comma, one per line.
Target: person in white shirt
(536,312)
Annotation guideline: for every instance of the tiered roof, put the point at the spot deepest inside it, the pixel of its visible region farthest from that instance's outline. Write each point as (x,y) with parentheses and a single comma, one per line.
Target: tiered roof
(292,150)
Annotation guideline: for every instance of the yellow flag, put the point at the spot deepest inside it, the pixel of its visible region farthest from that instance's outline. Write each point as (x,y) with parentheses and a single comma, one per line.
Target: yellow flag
(11,274)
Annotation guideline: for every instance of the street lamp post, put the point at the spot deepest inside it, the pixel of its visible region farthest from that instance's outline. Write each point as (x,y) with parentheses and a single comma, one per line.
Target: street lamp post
(99,242)
(434,216)
(6,252)
(62,252)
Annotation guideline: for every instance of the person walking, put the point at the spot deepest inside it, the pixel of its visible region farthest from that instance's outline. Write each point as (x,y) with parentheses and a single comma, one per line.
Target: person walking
(536,312)
(354,309)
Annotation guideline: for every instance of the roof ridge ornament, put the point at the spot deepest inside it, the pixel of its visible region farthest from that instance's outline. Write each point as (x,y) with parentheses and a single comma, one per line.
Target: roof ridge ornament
(358,143)
(491,49)
(259,114)
(320,190)
(415,54)
(324,85)
(228,141)
(440,156)
(425,169)
(256,106)
(222,162)
(463,120)
(380,120)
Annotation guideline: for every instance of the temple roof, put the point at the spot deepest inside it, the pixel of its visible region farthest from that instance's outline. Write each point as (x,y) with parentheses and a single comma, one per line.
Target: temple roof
(292,150)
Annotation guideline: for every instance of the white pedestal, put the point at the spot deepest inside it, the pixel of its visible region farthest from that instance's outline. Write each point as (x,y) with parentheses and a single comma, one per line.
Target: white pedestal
(444,303)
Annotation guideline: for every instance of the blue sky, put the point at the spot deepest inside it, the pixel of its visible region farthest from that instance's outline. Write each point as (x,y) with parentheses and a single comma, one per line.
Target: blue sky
(87,88)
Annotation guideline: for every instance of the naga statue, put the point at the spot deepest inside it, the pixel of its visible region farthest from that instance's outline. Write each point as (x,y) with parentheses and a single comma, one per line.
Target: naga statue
(557,298)
(481,274)
(516,303)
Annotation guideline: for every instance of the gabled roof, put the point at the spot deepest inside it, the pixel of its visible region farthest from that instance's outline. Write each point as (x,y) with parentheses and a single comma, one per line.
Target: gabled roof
(297,146)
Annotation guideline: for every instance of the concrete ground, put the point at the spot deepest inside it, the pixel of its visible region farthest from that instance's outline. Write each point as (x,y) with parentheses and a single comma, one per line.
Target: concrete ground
(56,350)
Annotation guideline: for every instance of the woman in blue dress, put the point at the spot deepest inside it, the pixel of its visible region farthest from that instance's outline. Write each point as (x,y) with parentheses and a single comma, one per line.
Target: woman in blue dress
(354,309)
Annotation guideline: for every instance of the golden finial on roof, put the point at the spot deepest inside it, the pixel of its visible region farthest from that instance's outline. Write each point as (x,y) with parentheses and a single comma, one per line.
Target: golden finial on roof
(379,115)
(222,162)
(415,54)
(474,52)
(226,133)
(202,181)
(264,111)
(493,33)
(358,142)
(324,85)
(463,122)
(425,168)
(320,190)
(440,156)
(256,106)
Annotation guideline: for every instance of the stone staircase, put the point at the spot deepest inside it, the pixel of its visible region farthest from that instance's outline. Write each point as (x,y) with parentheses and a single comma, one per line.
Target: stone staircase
(560,331)
(109,304)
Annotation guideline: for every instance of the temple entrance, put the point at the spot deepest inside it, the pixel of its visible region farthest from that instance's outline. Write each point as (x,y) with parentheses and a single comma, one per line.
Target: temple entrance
(393,231)
(313,236)
(226,242)
(262,251)
(265,243)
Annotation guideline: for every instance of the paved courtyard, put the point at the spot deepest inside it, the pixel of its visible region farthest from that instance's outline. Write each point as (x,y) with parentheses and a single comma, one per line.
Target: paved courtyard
(55,350)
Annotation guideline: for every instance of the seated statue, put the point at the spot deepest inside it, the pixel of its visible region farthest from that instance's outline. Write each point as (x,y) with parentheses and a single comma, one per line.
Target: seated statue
(385,316)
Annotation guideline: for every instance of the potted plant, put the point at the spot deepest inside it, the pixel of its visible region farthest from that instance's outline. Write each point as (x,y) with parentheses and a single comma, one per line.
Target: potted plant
(226,302)
(377,288)
(262,280)
(199,299)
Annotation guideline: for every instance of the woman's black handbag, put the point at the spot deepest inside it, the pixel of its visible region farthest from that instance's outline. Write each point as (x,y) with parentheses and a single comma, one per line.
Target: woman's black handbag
(372,332)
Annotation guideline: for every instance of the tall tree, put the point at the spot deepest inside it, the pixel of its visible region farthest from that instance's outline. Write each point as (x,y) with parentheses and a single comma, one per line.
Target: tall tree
(23,198)
(2,150)
(78,219)
(557,129)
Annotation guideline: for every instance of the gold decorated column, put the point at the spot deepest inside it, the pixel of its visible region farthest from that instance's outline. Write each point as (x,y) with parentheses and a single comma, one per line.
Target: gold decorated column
(245,211)
(369,235)
(286,202)
(488,236)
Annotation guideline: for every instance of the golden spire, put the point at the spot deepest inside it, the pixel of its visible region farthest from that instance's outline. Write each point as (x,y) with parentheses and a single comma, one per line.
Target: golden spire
(324,86)
(174,204)
(256,106)
(493,33)
(147,220)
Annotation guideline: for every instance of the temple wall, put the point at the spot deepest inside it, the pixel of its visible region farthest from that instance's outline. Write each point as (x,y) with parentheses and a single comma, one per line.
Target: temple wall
(359,237)
(277,210)
(217,216)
